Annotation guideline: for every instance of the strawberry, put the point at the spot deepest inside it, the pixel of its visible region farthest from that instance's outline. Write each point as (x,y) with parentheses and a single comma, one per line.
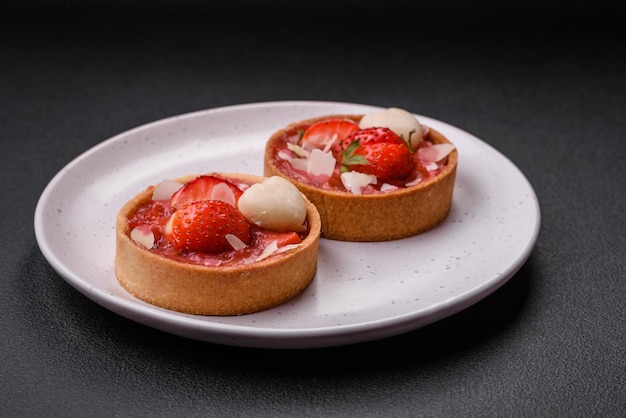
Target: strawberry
(202,226)
(206,188)
(368,136)
(321,133)
(377,151)
(281,238)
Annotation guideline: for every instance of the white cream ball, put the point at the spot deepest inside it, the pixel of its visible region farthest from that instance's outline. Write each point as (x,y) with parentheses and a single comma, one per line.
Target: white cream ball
(402,122)
(274,204)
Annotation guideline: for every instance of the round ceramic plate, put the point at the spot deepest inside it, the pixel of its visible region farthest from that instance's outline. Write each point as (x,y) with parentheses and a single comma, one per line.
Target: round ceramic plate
(361,292)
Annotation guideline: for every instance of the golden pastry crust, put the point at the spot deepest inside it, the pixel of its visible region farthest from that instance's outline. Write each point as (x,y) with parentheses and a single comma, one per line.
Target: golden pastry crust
(375,217)
(206,290)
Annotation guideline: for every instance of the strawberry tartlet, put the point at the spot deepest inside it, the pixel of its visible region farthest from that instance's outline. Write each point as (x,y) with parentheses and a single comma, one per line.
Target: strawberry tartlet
(217,244)
(375,177)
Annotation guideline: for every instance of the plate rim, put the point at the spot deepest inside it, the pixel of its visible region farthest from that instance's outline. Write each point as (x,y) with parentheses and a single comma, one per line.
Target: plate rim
(268,337)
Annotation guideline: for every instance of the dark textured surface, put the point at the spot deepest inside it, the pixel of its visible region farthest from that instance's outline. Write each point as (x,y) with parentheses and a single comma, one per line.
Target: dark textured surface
(546,86)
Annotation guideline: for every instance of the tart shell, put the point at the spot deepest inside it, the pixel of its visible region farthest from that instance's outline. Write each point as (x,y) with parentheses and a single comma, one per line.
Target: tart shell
(374,217)
(208,290)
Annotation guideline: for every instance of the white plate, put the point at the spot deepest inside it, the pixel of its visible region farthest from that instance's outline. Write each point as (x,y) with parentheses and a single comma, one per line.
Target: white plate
(362,291)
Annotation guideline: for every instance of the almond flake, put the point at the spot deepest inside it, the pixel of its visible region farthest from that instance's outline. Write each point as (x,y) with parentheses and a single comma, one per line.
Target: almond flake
(222,192)
(414,182)
(319,142)
(298,150)
(142,235)
(165,189)
(235,242)
(330,143)
(284,155)
(388,187)
(273,248)
(286,248)
(269,250)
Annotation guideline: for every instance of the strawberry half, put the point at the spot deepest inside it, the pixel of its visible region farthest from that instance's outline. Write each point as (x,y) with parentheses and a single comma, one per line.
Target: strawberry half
(321,133)
(202,226)
(206,188)
(368,136)
(377,151)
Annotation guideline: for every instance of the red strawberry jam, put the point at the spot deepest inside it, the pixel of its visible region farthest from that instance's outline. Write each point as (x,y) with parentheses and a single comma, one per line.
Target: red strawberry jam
(283,154)
(156,214)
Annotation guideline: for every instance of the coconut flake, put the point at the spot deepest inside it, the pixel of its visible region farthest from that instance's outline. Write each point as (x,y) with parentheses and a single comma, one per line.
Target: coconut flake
(166,189)
(298,150)
(414,182)
(284,155)
(435,152)
(315,163)
(285,248)
(268,250)
(273,248)
(388,187)
(222,192)
(301,164)
(235,242)
(355,182)
(321,163)
(142,235)
(331,142)
(301,160)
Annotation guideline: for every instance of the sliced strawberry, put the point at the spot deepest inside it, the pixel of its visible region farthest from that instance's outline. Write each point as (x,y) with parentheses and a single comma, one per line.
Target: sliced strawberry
(324,132)
(282,238)
(202,226)
(206,188)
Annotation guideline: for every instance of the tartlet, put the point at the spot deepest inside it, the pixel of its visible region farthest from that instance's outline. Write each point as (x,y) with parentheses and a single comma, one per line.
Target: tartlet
(396,213)
(185,286)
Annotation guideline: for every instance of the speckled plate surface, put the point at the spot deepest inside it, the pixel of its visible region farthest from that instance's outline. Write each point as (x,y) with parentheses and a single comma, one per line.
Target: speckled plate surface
(362,291)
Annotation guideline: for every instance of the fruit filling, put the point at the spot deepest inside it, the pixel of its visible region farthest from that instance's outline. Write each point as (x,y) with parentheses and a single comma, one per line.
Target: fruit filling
(215,221)
(383,151)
